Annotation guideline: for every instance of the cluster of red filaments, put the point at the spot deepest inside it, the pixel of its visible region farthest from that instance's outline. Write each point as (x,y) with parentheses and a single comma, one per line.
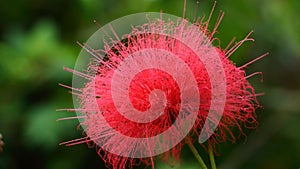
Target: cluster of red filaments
(97,102)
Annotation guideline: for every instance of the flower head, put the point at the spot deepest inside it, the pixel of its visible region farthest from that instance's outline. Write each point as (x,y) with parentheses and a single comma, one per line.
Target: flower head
(139,87)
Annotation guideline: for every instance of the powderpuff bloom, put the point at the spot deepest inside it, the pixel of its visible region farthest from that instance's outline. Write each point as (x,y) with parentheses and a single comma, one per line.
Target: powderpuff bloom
(158,90)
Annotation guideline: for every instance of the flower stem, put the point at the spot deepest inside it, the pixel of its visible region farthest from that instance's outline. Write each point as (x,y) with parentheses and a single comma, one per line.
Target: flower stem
(211,157)
(196,155)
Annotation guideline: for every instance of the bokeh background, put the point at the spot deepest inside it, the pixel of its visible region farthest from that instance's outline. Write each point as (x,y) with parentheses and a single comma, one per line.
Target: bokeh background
(38,38)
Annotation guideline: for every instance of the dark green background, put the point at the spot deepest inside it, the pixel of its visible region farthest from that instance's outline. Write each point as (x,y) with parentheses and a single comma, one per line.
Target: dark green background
(37,39)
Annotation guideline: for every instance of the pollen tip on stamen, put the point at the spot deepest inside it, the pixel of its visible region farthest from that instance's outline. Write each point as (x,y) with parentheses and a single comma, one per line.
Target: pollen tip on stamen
(65,144)
(97,23)
(71,118)
(238,44)
(79,43)
(67,69)
(69,87)
(253,74)
(62,85)
(78,73)
(74,141)
(260,94)
(59,109)
(254,60)
(66,110)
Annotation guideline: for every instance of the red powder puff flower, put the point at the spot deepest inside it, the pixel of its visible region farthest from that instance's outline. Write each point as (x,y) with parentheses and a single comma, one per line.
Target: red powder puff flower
(134,90)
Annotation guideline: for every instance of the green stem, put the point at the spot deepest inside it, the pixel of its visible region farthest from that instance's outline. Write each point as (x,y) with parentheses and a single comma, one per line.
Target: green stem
(196,155)
(211,157)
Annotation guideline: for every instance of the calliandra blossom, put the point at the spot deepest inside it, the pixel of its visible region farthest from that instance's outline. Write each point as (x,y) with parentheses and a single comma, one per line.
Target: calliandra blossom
(97,103)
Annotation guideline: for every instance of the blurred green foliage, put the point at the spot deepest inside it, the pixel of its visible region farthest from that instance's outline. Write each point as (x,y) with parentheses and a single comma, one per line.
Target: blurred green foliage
(37,39)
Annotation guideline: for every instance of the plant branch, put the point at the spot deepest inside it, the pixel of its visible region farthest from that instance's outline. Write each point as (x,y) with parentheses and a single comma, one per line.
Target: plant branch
(196,154)
(211,157)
